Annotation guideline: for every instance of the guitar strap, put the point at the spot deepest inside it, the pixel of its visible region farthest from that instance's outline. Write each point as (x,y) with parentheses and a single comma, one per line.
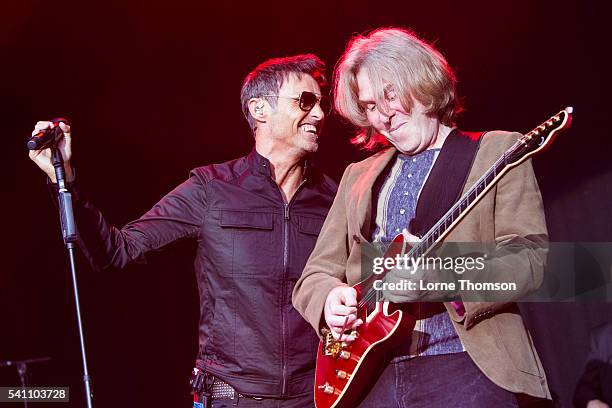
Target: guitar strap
(446,179)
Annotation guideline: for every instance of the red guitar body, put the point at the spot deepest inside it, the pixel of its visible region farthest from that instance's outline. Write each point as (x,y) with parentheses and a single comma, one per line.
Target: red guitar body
(342,377)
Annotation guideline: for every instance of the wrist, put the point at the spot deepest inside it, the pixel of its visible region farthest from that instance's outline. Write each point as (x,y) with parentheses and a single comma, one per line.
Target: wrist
(70,174)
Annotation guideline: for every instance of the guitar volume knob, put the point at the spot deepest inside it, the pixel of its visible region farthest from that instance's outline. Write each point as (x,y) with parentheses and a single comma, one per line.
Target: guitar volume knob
(345,355)
(326,388)
(342,374)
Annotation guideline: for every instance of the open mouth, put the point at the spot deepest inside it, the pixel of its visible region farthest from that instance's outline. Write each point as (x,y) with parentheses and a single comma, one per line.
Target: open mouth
(312,129)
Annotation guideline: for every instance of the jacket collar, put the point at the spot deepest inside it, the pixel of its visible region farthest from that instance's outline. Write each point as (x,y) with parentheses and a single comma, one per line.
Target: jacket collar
(260,165)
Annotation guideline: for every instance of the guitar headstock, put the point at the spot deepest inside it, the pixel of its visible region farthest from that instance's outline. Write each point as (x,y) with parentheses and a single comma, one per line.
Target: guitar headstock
(540,138)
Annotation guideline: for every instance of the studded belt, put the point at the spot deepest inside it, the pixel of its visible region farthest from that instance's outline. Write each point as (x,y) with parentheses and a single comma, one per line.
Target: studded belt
(222,390)
(207,384)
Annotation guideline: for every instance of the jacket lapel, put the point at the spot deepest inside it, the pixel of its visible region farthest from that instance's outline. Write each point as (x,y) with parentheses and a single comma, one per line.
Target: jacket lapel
(446,179)
(360,196)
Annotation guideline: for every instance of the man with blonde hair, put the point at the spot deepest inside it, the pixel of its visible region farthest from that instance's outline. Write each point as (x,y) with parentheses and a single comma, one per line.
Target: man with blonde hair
(400,93)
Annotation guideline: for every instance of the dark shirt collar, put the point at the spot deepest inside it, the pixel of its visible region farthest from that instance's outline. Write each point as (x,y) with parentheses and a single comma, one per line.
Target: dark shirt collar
(260,165)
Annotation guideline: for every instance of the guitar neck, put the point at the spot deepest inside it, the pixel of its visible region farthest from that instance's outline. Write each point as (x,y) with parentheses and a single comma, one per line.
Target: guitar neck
(457,212)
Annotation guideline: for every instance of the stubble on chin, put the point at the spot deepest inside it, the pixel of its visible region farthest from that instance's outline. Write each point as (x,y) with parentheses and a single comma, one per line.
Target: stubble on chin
(310,144)
(311,147)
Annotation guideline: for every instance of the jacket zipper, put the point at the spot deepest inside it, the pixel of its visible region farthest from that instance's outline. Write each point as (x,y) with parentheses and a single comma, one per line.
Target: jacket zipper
(283,322)
(287,217)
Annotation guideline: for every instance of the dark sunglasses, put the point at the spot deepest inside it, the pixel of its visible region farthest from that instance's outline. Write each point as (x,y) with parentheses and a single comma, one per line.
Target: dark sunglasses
(307,100)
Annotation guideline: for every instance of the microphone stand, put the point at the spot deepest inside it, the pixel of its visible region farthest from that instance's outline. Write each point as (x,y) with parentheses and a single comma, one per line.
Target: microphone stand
(70,236)
(22,370)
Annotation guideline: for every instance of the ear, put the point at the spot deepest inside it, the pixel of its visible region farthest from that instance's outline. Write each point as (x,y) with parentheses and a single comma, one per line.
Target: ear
(258,109)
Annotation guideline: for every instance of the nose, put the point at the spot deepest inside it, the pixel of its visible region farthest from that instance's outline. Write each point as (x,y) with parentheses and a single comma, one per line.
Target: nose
(317,112)
(386,115)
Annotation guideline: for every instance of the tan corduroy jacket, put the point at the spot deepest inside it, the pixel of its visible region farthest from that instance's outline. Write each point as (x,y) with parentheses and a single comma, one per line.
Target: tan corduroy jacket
(493,334)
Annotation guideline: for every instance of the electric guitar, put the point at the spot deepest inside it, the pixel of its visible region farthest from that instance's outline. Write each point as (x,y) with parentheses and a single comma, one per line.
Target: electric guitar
(344,370)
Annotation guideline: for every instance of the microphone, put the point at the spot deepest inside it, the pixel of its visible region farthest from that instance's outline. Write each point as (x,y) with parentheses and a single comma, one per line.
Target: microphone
(43,139)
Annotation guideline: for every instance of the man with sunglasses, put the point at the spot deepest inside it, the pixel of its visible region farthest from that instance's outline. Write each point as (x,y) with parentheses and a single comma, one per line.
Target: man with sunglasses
(255,220)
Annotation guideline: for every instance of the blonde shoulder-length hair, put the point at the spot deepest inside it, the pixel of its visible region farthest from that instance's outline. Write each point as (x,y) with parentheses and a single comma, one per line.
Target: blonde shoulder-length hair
(398,58)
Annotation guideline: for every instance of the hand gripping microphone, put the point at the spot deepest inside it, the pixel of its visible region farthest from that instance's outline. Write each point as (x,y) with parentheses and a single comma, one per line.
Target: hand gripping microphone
(47,137)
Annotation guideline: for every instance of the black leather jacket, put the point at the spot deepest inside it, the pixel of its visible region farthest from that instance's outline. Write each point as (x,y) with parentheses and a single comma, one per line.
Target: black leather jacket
(251,249)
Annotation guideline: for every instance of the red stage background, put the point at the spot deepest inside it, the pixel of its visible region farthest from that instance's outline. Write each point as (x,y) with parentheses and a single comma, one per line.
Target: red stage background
(152,90)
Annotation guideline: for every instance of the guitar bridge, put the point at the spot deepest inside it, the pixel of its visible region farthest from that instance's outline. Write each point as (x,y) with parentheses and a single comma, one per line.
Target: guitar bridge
(332,347)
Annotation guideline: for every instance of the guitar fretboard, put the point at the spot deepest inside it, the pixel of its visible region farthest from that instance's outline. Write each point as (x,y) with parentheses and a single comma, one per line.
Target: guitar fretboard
(455,212)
